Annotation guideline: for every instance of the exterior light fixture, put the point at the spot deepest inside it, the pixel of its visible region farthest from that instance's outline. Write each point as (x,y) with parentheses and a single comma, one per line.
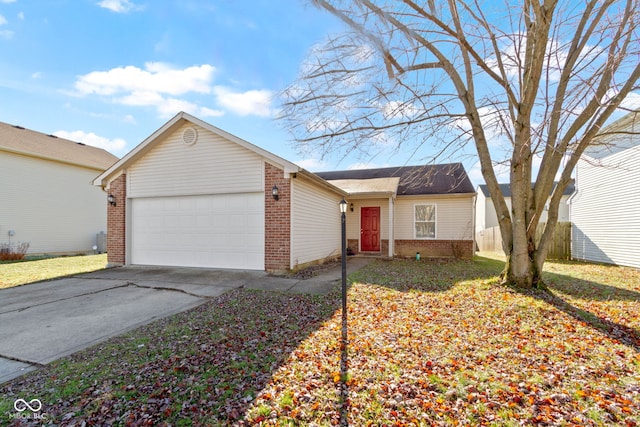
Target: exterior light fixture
(343,206)
(274,192)
(111,199)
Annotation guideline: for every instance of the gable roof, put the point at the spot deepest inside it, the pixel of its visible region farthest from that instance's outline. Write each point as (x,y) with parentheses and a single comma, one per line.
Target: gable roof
(173,124)
(414,180)
(506,189)
(16,139)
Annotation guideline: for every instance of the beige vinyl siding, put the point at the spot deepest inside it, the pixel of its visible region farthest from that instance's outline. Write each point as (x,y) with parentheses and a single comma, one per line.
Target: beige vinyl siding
(51,205)
(213,165)
(315,222)
(353,218)
(605,211)
(481,210)
(454,217)
(489,217)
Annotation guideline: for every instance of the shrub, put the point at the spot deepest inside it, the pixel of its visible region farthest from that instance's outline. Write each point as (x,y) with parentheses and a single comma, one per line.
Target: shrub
(9,252)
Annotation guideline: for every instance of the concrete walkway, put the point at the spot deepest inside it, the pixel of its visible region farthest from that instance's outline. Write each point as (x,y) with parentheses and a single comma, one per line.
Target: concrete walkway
(44,321)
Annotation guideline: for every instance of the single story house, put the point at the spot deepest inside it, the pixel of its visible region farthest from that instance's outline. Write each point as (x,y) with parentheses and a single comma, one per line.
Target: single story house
(46,197)
(194,195)
(486,213)
(605,214)
(404,210)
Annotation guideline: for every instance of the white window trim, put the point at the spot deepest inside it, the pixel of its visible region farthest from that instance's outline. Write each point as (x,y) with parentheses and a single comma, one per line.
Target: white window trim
(435,220)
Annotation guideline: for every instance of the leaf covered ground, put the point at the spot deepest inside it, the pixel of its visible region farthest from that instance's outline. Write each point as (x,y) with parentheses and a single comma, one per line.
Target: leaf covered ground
(429,344)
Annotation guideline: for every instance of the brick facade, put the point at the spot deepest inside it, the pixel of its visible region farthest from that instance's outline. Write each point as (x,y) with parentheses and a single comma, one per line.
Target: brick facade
(435,248)
(277,227)
(354,244)
(116,222)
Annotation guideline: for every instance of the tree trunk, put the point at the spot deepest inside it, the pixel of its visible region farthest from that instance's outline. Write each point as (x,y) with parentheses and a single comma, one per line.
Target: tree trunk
(522,272)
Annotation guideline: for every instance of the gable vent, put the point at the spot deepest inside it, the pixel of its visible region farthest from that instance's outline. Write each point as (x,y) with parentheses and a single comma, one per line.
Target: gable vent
(189,136)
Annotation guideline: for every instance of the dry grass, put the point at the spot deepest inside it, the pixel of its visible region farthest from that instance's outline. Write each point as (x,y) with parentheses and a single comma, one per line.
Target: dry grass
(429,344)
(20,273)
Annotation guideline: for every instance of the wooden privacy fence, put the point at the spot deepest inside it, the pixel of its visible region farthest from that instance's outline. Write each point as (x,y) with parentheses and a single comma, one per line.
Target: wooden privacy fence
(490,240)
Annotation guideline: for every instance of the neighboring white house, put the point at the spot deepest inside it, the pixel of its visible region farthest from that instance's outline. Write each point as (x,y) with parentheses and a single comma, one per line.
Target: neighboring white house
(46,196)
(605,209)
(194,195)
(486,213)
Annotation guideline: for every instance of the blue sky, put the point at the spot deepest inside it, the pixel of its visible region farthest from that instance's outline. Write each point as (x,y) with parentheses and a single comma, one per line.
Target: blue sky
(111,72)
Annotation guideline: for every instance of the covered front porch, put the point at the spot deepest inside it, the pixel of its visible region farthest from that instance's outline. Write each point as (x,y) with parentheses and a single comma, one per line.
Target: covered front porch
(370,215)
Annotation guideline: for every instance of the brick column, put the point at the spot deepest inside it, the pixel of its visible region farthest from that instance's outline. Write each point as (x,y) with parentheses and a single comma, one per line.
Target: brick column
(277,218)
(116,222)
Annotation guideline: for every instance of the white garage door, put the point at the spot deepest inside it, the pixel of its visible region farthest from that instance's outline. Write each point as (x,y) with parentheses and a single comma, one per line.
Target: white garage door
(216,231)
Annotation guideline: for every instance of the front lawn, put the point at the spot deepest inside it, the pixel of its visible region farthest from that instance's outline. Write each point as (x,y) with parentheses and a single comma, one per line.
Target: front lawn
(19,273)
(429,344)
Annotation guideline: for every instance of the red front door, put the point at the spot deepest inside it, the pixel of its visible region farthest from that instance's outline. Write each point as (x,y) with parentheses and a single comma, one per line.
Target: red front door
(370,229)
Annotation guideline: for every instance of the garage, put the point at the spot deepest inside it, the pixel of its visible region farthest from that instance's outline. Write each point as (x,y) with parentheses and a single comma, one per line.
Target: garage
(193,195)
(213,231)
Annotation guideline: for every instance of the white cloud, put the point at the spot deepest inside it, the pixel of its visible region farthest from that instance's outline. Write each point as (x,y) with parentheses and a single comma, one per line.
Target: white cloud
(7,1)
(36,75)
(252,102)
(21,16)
(119,6)
(3,20)
(164,87)
(156,77)
(116,145)
(6,34)
(156,85)
(400,110)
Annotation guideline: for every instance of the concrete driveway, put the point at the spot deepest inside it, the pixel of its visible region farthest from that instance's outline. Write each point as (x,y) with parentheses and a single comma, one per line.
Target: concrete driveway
(45,321)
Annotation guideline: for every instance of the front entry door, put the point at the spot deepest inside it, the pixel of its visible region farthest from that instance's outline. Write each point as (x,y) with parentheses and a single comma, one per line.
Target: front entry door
(370,229)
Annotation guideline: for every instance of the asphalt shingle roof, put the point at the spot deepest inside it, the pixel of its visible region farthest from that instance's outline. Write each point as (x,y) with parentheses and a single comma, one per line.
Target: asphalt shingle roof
(29,142)
(414,180)
(506,189)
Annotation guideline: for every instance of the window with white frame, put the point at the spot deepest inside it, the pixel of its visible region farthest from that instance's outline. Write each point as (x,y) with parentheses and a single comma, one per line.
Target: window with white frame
(425,221)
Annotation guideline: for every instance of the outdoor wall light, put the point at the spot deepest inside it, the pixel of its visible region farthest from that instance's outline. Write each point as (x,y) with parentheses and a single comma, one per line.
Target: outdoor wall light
(343,206)
(111,199)
(274,192)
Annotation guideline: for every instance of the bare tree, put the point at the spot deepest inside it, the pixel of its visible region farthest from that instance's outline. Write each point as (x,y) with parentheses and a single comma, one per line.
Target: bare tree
(527,84)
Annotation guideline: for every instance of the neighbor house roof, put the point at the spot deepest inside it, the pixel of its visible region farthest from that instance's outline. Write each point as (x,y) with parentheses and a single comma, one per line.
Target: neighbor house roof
(506,189)
(413,180)
(17,139)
